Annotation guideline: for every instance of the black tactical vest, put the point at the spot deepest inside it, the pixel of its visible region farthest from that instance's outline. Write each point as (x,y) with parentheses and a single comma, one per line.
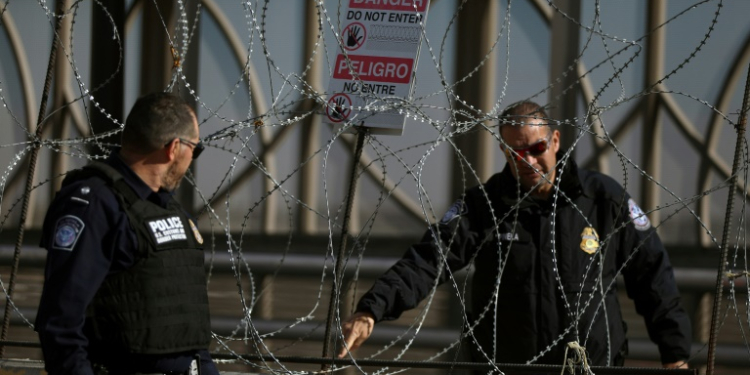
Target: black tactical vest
(160,305)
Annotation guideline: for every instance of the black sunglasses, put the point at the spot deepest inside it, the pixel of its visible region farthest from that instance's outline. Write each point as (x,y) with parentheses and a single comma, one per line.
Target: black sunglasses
(197,147)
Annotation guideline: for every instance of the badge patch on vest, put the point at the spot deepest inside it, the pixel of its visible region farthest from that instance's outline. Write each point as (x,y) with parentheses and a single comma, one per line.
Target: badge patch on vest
(196,233)
(589,240)
(67,231)
(167,230)
(640,220)
(457,209)
(508,237)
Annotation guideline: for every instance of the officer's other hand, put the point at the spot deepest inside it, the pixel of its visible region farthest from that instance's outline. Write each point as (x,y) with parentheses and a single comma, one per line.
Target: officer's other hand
(356,330)
(676,365)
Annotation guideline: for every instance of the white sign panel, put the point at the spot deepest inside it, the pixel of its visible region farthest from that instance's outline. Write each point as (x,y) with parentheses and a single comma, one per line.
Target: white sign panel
(373,71)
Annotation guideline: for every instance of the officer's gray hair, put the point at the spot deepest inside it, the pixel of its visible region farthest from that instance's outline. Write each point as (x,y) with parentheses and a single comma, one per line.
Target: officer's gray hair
(155,120)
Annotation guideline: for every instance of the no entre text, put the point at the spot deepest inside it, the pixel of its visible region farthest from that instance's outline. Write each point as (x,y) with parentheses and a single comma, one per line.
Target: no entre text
(370,88)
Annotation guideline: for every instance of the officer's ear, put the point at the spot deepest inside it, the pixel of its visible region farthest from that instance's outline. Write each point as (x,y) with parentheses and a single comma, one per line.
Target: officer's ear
(171,149)
(555,141)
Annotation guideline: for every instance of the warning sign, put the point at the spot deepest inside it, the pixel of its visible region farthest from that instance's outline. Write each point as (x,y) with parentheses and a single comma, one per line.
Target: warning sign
(339,107)
(354,36)
(374,69)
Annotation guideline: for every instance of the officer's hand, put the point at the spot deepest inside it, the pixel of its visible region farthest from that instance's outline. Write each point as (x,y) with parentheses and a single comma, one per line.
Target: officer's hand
(356,330)
(677,365)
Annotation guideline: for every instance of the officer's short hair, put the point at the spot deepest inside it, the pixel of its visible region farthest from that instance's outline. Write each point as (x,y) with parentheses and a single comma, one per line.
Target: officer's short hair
(155,120)
(520,112)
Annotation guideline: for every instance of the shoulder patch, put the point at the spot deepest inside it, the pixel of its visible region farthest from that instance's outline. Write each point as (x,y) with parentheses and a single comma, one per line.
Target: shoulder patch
(457,209)
(640,220)
(67,231)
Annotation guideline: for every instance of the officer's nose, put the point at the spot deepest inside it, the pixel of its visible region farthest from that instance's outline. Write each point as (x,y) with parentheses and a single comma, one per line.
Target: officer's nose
(525,159)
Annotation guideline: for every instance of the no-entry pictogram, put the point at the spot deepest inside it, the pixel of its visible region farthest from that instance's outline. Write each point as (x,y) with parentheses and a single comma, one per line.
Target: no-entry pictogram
(354,36)
(339,107)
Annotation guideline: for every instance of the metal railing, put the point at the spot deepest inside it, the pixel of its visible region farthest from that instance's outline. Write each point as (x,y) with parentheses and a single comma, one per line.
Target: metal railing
(691,281)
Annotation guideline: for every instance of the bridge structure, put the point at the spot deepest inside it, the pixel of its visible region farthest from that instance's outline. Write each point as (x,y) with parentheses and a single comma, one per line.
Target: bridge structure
(653,123)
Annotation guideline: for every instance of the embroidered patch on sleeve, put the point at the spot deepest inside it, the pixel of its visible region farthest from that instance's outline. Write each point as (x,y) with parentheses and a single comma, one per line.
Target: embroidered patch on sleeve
(457,209)
(640,220)
(67,232)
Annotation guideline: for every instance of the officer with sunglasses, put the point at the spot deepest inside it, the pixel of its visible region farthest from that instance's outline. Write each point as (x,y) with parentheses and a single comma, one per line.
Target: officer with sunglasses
(546,240)
(125,285)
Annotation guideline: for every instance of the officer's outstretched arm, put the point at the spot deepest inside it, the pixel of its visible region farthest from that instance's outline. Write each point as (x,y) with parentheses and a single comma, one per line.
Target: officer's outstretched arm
(356,330)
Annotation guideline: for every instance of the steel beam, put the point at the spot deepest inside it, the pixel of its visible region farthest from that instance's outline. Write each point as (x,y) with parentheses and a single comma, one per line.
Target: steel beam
(312,63)
(60,7)
(713,134)
(564,54)
(190,65)
(17,177)
(477,22)
(651,150)
(61,130)
(156,56)
(107,68)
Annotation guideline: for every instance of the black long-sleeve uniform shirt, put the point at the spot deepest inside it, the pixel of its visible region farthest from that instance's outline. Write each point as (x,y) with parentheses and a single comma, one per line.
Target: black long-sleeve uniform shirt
(544,271)
(88,236)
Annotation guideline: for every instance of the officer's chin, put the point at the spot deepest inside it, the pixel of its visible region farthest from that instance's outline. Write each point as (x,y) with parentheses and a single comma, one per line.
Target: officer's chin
(172,182)
(177,183)
(172,178)
(530,182)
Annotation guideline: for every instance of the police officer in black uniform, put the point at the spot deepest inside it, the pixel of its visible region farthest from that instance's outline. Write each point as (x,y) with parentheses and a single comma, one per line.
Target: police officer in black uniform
(547,240)
(125,285)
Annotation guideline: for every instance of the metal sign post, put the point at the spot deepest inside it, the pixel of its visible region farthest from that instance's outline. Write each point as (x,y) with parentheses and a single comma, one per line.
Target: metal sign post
(329,347)
(372,77)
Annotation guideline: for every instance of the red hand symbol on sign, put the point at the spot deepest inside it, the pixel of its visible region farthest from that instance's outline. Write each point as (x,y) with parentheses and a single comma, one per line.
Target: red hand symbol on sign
(353,39)
(339,107)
